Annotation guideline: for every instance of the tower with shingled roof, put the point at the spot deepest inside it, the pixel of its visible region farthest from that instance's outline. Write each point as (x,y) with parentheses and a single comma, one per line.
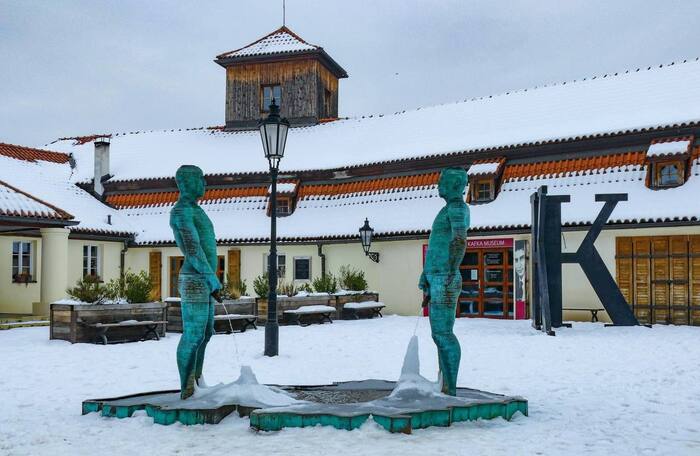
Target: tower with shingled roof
(301,77)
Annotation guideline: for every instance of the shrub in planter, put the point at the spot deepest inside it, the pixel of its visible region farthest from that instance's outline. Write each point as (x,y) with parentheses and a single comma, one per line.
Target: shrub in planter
(287,289)
(305,288)
(132,287)
(261,286)
(327,283)
(231,290)
(88,289)
(352,279)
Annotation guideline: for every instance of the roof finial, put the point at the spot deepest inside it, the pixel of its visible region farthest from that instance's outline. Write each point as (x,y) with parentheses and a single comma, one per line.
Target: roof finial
(284,13)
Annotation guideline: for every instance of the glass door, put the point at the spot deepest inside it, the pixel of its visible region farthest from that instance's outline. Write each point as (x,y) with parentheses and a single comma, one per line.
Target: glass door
(487,288)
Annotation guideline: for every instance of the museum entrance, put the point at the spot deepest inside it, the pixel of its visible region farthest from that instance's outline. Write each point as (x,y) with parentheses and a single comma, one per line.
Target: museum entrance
(487,280)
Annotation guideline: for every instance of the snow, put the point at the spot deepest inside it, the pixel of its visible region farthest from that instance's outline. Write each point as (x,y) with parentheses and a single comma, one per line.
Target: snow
(311,309)
(17,203)
(636,100)
(591,390)
(284,187)
(483,168)
(401,211)
(411,384)
(363,305)
(275,43)
(51,183)
(658,149)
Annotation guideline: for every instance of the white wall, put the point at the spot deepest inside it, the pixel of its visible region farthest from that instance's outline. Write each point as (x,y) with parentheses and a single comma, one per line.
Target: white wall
(16,297)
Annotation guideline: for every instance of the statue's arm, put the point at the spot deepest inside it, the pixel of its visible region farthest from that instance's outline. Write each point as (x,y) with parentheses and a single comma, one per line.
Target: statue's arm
(458,216)
(192,248)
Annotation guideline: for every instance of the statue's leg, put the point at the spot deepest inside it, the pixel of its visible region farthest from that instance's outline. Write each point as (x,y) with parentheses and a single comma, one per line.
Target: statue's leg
(443,308)
(208,332)
(195,316)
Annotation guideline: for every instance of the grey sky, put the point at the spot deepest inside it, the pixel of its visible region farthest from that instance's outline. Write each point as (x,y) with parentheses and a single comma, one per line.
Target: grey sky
(81,67)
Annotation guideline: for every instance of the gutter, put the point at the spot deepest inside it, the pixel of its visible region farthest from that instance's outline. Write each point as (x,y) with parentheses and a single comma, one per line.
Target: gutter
(323,258)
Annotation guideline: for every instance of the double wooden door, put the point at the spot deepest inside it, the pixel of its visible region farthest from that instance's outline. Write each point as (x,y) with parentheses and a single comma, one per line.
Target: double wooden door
(660,278)
(487,287)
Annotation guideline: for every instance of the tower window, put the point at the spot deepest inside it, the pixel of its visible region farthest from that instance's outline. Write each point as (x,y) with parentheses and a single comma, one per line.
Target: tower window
(482,190)
(268,93)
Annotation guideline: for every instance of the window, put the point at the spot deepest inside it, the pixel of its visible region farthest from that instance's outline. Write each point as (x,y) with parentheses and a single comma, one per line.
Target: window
(669,174)
(91,261)
(283,206)
(281,265)
(268,93)
(22,261)
(220,268)
(482,190)
(302,268)
(327,103)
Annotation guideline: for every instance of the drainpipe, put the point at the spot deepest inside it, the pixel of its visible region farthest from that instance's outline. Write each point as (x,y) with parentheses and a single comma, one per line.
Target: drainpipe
(323,258)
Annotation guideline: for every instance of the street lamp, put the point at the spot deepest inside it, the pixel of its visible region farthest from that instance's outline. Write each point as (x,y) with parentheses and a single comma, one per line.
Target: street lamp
(366,232)
(273,132)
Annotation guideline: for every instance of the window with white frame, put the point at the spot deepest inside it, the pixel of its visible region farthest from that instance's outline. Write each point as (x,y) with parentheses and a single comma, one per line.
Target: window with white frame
(22,261)
(302,268)
(91,261)
(281,264)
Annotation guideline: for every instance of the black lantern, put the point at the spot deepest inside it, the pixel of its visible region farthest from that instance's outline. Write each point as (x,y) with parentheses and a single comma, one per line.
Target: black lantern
(366,233)
(273,132)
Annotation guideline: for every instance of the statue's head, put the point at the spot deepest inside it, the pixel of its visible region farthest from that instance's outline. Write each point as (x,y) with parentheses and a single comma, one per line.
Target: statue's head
(190,181)
(452,183)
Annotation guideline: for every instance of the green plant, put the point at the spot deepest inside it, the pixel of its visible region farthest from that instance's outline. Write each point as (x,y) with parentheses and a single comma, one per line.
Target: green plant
(88,289)
(326,283)
(132,286)
(231,290)
(261,286)
(287,289)
(352,279)
(305,287)
(243,288)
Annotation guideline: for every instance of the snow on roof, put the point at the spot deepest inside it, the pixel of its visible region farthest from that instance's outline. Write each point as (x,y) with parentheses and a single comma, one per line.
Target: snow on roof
(661,148)
(410,210)
(281,41)
(636,100)
(50,182)
(14,202)
(483,168)
(284,187)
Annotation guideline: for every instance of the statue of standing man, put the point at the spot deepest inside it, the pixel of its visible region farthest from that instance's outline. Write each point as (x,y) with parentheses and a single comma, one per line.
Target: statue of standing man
(441,280)
(194,235)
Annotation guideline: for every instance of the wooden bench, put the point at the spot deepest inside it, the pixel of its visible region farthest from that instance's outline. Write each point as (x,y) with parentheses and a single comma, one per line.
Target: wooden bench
(594,312)
(248,321)
(303,316)
(353,309)
(101,329)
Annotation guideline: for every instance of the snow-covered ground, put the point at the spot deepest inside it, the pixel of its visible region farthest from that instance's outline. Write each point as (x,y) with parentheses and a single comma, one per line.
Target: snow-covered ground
(592,390)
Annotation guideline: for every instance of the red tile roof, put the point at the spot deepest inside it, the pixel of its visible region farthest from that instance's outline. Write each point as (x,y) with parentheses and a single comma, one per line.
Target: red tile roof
(155,198)
(55,214)
(573,165)
(31,154)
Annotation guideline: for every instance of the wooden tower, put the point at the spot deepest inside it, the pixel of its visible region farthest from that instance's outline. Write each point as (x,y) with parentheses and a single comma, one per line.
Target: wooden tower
(301,77)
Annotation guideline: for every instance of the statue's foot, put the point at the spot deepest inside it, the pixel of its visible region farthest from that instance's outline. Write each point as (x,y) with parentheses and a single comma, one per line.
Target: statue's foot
(188,390)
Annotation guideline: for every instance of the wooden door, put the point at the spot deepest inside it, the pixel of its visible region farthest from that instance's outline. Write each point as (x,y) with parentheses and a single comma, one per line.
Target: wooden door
(234,268)
(176,263)
(660,279)
(487,288)
(694,279)
(642,279)
(678,282)
(155,265)
(624,256)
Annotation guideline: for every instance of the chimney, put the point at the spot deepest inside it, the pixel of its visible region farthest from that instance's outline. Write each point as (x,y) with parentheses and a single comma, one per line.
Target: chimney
(101,163)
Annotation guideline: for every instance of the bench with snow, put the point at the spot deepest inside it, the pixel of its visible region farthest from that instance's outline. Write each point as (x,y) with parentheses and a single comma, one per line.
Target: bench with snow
(247,320)
(370,308)
(149,329)
(305,315)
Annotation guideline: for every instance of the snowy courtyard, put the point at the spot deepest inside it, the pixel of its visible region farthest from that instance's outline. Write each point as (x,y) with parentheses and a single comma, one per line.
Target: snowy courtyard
(591,390)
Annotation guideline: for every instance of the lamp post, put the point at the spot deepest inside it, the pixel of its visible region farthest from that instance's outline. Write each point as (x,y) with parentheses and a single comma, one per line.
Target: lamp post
(273,132)
(366,233)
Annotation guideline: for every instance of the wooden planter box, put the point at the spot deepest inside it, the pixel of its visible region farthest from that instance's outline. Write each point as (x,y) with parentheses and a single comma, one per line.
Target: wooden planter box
(290,303)
(244,306)
(65,317)
(340,300)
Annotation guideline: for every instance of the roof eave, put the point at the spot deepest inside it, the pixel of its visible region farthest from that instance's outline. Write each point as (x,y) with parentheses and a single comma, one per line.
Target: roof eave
(319,53)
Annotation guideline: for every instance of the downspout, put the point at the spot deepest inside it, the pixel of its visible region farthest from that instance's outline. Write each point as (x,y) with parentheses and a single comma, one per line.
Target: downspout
(323,258)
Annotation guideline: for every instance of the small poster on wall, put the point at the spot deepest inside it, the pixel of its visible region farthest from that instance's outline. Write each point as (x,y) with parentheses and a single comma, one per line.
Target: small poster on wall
(520,279)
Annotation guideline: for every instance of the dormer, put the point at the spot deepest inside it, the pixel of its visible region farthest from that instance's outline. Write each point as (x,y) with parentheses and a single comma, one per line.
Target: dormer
(301,77)
(484,176)
(668,162)
(286,198)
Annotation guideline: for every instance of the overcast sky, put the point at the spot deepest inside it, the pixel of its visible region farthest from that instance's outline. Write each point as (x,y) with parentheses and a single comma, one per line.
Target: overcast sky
(80,67)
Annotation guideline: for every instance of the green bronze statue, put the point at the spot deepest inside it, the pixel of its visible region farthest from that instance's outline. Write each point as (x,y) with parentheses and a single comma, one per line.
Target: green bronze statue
(441,280)
(197,282)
